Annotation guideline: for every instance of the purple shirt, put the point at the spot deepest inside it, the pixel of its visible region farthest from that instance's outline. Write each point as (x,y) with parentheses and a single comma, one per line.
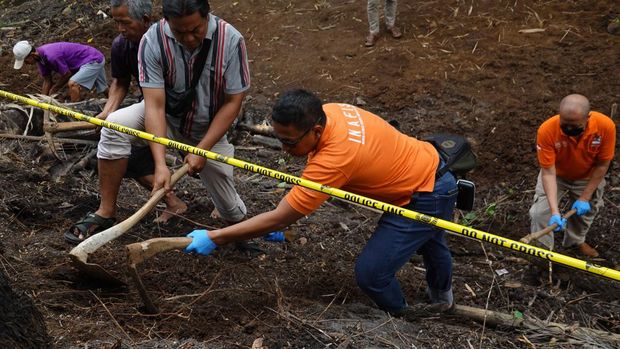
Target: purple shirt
(64,57)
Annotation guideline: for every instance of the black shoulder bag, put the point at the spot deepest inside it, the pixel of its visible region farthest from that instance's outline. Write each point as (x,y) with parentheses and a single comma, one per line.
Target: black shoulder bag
(459,159)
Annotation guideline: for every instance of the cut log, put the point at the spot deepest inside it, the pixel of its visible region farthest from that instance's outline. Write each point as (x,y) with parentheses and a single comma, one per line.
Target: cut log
(495,318)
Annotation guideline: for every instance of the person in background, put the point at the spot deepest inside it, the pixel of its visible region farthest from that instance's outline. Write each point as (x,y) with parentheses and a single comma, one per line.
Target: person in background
(77,66)
(374,22)
(574,151)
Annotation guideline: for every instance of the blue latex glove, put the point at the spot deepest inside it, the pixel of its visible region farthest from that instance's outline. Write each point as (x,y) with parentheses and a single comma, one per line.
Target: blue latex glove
(201,243)
(582,207)
(275,236)
(557,219)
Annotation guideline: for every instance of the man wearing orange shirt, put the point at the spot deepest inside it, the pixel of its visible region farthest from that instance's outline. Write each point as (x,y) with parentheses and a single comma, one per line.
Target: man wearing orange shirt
(574,150)
(352,149)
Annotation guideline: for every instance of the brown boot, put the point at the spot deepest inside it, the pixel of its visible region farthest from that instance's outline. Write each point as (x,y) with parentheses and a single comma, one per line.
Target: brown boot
(371,39)
(587,250)
(395,31)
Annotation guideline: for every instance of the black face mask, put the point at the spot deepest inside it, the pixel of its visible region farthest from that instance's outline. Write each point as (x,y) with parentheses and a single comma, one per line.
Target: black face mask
(572,131)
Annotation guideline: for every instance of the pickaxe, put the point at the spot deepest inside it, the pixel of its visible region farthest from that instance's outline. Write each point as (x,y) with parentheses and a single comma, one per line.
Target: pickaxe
(140,251)
(79,254)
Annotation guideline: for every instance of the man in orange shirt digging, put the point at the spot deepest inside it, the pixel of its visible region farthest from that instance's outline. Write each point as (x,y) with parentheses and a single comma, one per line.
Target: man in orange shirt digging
(357,151)
(574,150)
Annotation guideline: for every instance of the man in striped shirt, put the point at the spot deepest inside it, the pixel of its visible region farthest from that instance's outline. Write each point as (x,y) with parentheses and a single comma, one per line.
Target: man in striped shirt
(191,59)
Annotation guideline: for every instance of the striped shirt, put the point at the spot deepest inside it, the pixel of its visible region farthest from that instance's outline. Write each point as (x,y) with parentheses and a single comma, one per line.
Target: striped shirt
(226,71)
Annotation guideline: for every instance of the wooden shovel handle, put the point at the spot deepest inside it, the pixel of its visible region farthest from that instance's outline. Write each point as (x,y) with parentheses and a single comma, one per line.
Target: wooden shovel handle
(536,235)
(140,251)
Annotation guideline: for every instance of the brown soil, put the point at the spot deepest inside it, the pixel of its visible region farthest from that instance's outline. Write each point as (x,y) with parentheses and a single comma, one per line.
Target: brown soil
(460,67)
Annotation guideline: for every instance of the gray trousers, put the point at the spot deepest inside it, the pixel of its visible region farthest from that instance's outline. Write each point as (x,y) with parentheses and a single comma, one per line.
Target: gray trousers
(373,14)
(217,177)
(576,227)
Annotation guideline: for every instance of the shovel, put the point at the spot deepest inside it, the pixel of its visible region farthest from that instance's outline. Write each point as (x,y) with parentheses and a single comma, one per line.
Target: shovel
(79,254)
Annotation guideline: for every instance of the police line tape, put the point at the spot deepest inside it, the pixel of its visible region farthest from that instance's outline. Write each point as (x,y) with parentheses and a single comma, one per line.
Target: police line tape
(338,193)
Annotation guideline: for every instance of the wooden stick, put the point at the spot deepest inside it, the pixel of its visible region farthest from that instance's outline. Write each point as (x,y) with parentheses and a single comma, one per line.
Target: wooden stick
(535,236)
(42,138)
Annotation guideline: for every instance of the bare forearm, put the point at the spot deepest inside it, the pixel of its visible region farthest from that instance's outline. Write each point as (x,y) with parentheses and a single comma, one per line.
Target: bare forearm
(551,189)
(221,121)
(47,85)
(277,219)
(62,81)
(118,92)
(155,122)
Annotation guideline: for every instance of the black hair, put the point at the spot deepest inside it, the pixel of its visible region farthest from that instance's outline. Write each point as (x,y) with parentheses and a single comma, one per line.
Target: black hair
(182,8)
(299,108)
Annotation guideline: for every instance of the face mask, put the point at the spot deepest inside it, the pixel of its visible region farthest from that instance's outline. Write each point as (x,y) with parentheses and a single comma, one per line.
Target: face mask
(572,131)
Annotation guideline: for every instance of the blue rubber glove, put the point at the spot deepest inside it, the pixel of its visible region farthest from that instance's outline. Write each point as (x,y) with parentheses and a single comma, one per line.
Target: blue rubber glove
(201,243)
(275,236)
(557,219)
(582,207)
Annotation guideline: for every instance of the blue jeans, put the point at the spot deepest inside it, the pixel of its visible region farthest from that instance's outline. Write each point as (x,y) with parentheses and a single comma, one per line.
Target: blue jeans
(397,238)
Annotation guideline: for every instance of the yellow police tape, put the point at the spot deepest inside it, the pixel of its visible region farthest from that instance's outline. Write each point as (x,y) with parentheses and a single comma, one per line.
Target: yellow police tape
(447,225)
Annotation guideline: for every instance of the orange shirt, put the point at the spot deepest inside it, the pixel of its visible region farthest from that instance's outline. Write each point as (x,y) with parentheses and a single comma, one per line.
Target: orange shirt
(574,158)
(361,153)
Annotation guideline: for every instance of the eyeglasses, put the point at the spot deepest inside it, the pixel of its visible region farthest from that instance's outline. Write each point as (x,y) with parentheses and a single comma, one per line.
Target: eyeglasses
(293,142)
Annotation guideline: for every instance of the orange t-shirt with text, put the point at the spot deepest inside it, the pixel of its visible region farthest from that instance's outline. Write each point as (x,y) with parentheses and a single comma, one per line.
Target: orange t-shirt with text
(361,153)
(574,158)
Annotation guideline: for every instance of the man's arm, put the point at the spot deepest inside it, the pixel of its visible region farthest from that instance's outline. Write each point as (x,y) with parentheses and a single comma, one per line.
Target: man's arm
(155,123)
(47,85)
(550,185)
(218,127)
(277,219)
(118,90)
(62,81)
(598,173)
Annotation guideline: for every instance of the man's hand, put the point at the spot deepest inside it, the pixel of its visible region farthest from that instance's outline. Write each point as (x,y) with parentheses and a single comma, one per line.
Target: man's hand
(582,207)
(196,163)
(201,243)
(103,115)
(557,219)
(161,179)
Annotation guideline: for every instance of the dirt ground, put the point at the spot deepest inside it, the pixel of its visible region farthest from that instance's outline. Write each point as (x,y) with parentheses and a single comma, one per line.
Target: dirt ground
(461,66)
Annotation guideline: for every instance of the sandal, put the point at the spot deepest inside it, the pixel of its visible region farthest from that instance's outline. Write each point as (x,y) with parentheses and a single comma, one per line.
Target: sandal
(88,226)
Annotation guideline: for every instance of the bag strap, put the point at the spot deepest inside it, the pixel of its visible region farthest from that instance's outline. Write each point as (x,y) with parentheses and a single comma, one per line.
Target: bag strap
(200,62)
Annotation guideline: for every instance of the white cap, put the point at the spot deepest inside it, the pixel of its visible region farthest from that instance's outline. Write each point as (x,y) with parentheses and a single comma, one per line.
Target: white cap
(21,50)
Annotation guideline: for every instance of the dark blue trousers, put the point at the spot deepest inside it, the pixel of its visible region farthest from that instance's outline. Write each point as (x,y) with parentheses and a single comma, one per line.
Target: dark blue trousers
(397,238)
